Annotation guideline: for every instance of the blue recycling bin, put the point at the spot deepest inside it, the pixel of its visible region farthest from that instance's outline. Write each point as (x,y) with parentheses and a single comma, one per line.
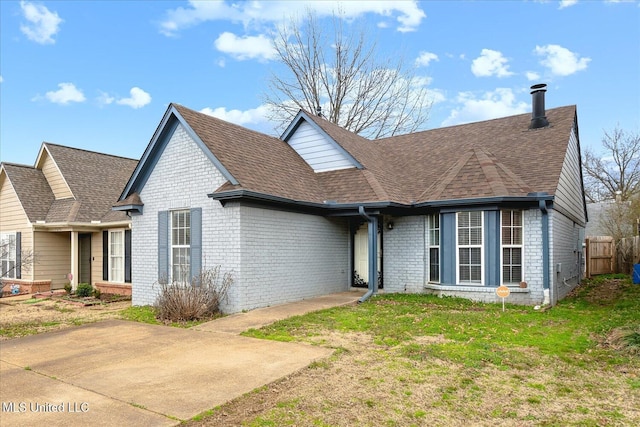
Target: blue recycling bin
(636,274)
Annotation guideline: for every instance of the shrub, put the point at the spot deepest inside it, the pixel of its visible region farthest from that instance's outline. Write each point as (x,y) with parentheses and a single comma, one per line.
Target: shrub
(67,288)
(96,293)
(84,290)
(181,302)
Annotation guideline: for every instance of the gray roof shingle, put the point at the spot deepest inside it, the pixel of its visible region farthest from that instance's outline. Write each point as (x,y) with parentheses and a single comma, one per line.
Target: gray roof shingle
(492,158)
(95,179)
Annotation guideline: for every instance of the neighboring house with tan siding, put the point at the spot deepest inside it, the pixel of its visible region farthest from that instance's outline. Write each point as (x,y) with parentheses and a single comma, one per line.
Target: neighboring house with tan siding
(59,212)
(453,211)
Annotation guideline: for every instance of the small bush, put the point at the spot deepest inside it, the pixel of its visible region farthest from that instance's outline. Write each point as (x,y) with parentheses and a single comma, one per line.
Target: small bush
(84,290)
(67,288)
(96,293)
(182,302)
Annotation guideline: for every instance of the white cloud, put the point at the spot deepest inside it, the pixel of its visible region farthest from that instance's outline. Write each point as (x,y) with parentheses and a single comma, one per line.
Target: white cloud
(436,96)
(490,63)
(253,116)
(532,75)
(425,58)
(490,105)
(247,47)
(67,93)
(1,79)
(560,60)
(139,98)
(407,13)
(567,3)
(42,24)
(105,99)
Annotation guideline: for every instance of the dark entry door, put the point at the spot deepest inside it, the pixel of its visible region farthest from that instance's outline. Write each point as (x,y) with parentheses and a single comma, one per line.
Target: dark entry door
(84,258)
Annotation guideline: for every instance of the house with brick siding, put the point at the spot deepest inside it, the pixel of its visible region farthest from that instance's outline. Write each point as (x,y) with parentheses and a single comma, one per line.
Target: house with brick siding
(453,211)
(57,225)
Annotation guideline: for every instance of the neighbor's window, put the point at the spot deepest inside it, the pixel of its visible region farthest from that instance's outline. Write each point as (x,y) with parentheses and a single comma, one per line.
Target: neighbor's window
(8,255)
(116,256)
(511,246)
(181,245)
(469,229)
(434,247)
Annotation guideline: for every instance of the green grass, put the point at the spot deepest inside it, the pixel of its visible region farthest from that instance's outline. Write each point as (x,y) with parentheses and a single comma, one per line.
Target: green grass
(475,333)
(24,329)
(458,358)
(147,314)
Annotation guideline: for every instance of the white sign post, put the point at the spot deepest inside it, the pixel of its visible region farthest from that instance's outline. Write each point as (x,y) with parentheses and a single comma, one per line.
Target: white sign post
(503,292)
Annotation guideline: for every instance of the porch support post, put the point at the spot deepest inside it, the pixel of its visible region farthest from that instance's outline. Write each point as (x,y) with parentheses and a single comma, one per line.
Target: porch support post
(74,259)
(373,254)
(372,229)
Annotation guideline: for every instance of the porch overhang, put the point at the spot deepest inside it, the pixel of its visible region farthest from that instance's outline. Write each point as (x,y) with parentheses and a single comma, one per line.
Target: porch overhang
(96,226)
(326,208)
(334,208)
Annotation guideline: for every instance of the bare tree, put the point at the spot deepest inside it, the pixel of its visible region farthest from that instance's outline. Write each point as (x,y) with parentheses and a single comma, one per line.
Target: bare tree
(342,76)
(617,172)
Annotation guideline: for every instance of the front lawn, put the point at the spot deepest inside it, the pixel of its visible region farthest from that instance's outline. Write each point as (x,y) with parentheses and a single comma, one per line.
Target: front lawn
(404,360)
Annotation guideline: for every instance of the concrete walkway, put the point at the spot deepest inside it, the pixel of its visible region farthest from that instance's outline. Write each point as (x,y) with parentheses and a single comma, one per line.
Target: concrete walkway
(126,373)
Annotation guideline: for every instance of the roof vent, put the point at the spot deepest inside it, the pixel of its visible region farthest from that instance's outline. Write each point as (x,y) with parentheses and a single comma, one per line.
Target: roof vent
(538,117)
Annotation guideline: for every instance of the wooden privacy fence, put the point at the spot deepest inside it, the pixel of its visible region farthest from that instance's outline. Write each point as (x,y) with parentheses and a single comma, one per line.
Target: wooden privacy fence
(627,254)
(604,256)
(599,255)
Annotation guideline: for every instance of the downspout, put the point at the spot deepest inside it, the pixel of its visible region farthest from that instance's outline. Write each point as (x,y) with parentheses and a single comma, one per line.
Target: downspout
(372,229)
(542,204)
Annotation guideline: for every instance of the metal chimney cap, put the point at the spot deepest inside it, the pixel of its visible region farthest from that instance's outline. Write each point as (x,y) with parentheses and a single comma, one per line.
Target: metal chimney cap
(538,87)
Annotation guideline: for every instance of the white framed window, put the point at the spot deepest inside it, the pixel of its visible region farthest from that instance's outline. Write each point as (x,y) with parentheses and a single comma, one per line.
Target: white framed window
(8,255)
(181,246)
(469,227)
(433,242)
(511,246)
(116,256)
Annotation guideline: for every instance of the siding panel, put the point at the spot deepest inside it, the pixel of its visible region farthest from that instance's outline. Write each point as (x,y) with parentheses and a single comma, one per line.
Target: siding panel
(55,179)
(569,196)
(317,150)
(13,219)
(53,251)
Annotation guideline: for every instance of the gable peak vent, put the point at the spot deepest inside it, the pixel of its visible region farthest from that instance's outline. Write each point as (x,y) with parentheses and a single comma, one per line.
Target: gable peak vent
(538,117)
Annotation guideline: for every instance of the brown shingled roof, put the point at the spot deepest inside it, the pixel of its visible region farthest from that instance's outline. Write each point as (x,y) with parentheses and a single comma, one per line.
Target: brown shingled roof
(32,190)
(259,162)
(493,158)
(95,179)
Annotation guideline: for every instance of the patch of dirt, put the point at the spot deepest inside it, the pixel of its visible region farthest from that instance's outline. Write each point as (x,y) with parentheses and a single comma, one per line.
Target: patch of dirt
(601,293)
(51,314)
(364,384)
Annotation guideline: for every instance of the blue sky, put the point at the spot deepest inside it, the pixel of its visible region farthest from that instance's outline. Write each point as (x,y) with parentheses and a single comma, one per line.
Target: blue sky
(99,75)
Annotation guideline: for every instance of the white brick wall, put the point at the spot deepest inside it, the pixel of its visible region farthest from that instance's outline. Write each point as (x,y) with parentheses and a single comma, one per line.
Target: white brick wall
(182,178)
(406,262)
(404,256)
(532,269)
(275,256)
(289,256)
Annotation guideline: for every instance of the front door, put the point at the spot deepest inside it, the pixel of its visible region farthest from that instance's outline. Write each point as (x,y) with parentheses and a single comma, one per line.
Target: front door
(361,257)
(84,258)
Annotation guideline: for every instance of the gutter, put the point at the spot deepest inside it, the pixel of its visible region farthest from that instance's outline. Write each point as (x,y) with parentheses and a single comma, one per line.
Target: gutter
(79,226)
(373,254)
(542,204)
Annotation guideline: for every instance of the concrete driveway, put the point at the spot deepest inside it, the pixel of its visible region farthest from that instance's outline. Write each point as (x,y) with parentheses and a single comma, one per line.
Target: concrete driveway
(125,373)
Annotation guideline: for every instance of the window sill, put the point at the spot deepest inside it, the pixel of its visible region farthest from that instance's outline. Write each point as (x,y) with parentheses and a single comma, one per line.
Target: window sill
(473,288)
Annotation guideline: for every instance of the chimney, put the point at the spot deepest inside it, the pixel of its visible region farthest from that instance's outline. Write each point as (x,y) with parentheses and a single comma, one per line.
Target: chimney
(538,117)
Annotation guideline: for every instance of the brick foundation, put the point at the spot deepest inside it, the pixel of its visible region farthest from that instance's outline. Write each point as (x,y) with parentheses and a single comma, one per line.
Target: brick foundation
(26,286)
(113,288)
